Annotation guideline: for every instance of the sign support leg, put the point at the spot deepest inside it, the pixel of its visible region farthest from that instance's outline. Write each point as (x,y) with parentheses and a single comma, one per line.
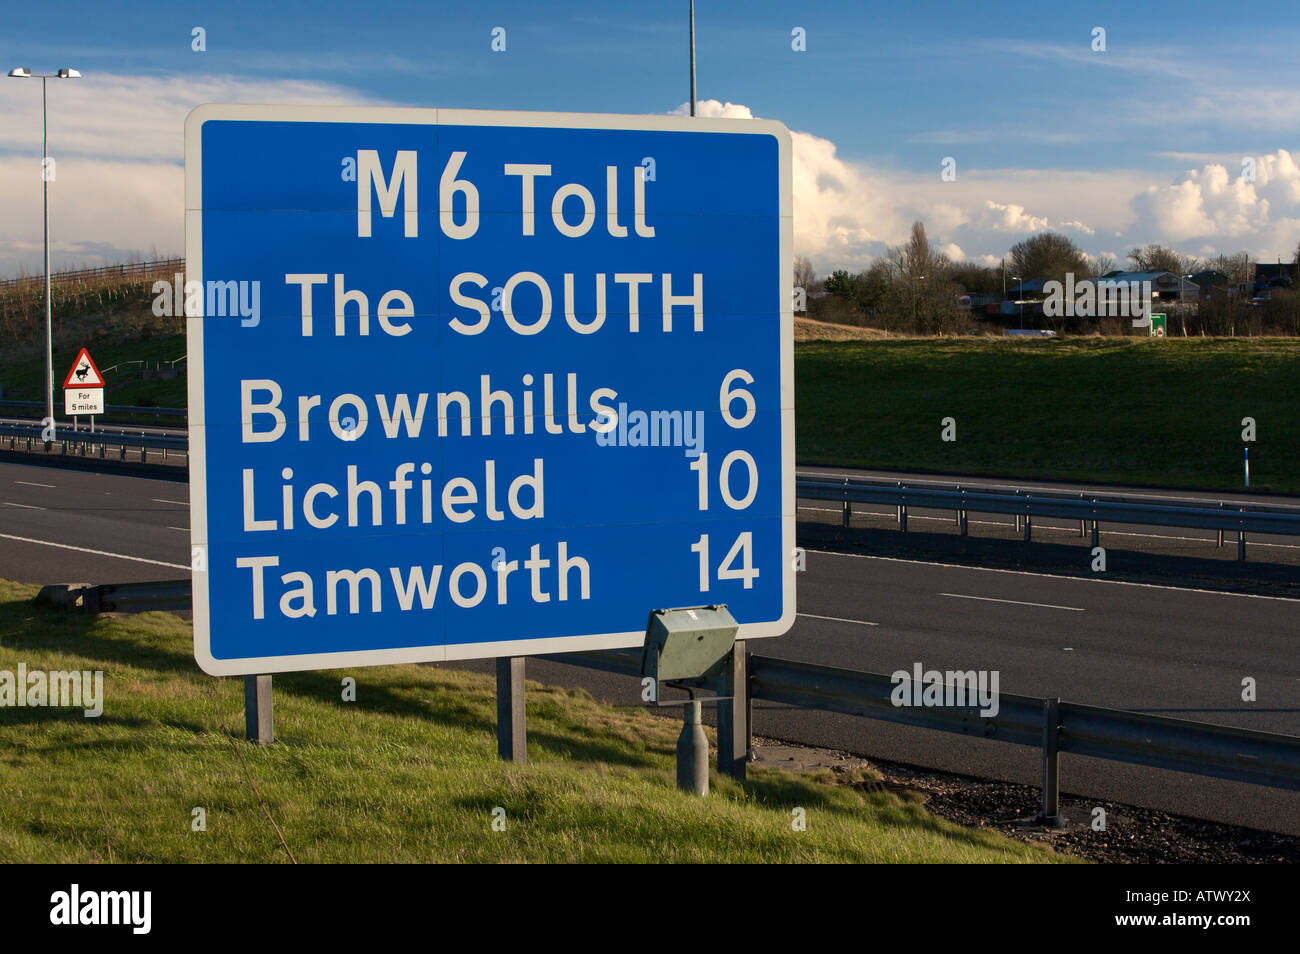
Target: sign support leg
(733,716)
(259,723)
(512,726)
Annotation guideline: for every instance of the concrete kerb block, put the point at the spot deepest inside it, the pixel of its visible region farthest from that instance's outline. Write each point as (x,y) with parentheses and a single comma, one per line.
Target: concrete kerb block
(67,595)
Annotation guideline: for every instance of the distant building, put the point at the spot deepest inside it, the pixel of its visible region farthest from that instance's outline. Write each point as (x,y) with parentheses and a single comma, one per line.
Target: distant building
(1166,287)
(1275,276)
(1025,291)
(1210,278)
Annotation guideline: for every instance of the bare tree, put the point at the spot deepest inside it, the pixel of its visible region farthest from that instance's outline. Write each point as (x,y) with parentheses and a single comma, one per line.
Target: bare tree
(1236,267)
(921,295)
(804,276)
(1161,258)
(1102,265)
(1048,255)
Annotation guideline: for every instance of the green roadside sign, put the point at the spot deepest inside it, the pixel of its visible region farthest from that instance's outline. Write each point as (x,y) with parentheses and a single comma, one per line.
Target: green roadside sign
(1158,326)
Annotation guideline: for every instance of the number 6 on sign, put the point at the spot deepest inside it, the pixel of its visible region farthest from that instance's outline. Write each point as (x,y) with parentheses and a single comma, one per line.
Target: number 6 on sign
(744,547)
(727,395)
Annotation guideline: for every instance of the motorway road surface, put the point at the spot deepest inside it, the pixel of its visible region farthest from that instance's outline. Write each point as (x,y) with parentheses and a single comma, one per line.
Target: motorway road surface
(1175,652)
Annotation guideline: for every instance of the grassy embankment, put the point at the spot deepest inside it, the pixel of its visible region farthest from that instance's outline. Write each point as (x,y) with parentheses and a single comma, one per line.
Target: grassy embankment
(25,379)
(1122,410)
(1158,412)
(408,772)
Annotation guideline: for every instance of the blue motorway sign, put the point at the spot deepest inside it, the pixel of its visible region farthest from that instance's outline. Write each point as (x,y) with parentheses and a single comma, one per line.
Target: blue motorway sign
(468,384)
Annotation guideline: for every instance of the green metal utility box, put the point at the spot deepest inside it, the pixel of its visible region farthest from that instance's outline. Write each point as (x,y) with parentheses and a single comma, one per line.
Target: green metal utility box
(688,643)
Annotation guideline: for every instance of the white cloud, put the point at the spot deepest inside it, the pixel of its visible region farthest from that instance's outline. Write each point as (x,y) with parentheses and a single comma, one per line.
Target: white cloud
(1216,207)
(118,146)
(845,212)
(713,109)
(995,217)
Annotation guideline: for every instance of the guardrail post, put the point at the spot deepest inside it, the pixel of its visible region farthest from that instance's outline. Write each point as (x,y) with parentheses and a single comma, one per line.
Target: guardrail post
(1220,530)
(1029,525)
(1241,544)
(1051,813)
(259,723)
(1096,534)
(512,726)
(1083,524)
(733,715)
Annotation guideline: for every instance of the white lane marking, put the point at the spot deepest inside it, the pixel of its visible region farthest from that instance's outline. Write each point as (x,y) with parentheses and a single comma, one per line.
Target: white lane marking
(178,503)
(181,529)
(837,619)
(994,599)
(68,546)
(1058,576)
(29,483)
(10,503)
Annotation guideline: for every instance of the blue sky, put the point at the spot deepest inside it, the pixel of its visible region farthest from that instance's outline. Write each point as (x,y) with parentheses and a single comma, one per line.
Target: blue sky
(1113,147)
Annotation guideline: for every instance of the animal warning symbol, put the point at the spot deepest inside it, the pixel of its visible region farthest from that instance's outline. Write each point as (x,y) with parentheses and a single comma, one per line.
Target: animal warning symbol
(83,373)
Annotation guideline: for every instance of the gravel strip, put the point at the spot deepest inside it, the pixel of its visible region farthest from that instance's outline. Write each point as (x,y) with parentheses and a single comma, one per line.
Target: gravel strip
(1131,834)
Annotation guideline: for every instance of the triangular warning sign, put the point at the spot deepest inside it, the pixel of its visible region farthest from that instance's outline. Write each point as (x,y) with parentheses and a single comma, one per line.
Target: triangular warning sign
(84,374)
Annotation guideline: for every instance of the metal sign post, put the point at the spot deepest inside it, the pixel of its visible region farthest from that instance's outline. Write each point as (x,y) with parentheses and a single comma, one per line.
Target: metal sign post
(83,391)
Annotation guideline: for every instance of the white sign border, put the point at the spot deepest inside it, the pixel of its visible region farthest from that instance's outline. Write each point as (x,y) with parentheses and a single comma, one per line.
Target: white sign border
(462,117)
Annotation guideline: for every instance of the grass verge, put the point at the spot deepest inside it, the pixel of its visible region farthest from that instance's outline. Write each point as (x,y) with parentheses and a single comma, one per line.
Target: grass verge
(407,773)
(24,379)
(1164,412)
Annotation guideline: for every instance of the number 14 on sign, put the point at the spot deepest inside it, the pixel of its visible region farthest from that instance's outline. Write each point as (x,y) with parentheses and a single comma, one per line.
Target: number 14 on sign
(742,548)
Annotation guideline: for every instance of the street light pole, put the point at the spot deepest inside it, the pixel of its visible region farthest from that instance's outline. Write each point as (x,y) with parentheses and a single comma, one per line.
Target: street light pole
(692,57)
(22,73)
(45,215)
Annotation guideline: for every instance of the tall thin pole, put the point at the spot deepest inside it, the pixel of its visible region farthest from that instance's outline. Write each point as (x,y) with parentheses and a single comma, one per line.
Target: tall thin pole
(692,57)
(49,332)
